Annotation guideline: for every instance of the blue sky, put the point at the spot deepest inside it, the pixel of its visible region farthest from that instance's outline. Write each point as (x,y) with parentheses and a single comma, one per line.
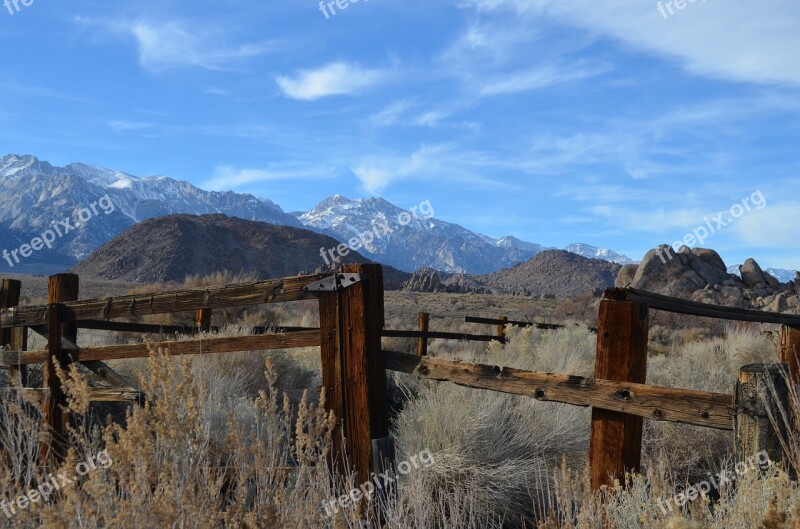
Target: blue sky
(556,121)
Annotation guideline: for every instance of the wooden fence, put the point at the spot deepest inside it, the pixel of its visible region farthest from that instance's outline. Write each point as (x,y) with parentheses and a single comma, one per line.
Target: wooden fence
(351,311)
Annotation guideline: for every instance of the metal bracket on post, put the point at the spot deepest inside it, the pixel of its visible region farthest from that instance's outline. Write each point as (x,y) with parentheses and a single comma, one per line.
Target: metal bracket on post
(335,282)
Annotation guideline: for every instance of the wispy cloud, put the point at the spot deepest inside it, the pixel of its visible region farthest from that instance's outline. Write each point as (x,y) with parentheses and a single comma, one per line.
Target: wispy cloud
(762,49)
(538,78)
(776,226)
(228,177)
(166,45)
(391,113)
(127,126)
(337,78)
(444,162)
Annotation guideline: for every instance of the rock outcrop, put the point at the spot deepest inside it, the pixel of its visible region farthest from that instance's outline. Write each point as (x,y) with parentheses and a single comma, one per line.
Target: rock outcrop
(700,274)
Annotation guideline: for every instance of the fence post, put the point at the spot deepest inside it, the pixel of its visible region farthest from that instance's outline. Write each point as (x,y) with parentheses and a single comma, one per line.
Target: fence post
(501,328)
(60,288)
(616,438)
(202,320)
(9,297)
(422,341)
(762,401)
(790,350)
(351,320)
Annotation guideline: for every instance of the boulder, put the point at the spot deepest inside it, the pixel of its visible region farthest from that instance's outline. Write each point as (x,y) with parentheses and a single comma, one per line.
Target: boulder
(733,297)
(712,259)
(779,304)
(664,271)
(772,281)
(752,274)
(626,275)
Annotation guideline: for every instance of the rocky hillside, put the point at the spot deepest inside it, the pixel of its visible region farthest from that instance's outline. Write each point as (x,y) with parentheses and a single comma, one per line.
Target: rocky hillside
(699,274)
(555,273)
(170,248)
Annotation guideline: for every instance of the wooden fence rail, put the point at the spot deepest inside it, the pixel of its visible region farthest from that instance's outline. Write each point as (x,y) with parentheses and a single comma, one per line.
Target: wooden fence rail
(712,410)
(517,323)
(270,291)
(210,345)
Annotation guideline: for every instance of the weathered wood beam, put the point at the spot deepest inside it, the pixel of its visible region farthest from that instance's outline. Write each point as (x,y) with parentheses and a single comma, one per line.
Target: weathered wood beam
(270,291)
(441,335)
(693,308)
(712,410)
(226,344)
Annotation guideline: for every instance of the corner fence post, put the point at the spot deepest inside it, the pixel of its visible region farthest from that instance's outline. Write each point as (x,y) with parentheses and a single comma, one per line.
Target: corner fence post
(616,438)
(202,320)
(762,420)
(501,328)
(422,342)
(353,375)
(10,336)
(60,288)
(790,350)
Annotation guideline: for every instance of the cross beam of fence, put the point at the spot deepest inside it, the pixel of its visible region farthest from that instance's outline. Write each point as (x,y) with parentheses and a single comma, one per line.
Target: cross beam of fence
(693,308)
(712,410)
(441,335)
(225,344)
(270,291)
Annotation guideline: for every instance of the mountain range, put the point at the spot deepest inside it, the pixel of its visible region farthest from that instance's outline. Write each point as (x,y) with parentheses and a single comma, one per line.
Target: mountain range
(781,274)
(34,195)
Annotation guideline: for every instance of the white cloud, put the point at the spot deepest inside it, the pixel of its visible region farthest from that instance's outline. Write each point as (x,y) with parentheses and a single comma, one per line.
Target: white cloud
(126,126)
(227,177)
(537,78)
(172,44)
(739,41)
(336,78)
(377,173)
(391,114)
(775,226)
(442,162)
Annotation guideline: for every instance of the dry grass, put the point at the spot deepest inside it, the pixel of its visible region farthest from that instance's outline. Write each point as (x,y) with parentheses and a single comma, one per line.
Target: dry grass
(225,443)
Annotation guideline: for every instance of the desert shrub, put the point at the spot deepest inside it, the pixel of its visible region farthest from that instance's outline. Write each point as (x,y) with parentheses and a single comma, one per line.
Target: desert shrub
(500,448)
(707,365)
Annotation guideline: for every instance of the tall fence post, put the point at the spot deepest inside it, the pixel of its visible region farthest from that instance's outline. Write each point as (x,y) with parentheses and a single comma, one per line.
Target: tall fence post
(9,297)
(616,438)
(60,288)
(202,320)
(501,328)
(790,350)
(422,341)
(762,421)
(351,320)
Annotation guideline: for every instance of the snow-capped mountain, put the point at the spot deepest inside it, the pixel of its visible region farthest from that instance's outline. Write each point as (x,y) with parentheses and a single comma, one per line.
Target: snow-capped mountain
(411,241)
(35,194)
(593,252)
(429,242)
(781,274)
